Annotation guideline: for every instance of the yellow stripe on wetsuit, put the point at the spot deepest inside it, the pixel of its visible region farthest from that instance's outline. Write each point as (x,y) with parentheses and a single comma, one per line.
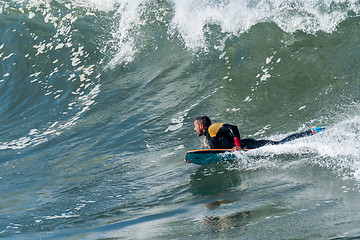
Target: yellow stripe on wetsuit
(214,128)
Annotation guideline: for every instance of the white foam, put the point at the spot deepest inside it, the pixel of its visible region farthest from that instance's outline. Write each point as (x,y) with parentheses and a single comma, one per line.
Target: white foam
(336,149)
(190,19)
(238,16)
(63,215)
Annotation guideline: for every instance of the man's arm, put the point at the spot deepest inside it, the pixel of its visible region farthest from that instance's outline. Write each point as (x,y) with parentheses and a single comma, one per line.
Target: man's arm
(234,132)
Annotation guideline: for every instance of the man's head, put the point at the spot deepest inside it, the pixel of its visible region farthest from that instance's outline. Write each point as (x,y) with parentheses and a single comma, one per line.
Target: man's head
(201,124)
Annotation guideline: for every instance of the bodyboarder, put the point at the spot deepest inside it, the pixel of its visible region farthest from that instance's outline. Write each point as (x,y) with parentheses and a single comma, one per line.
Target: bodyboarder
(227,136)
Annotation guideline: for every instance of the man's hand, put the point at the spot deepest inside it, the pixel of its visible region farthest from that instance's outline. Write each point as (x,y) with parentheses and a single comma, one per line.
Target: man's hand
(236,148)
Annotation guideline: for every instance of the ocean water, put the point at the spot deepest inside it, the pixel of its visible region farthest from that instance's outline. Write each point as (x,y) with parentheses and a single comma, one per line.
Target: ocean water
(98,99)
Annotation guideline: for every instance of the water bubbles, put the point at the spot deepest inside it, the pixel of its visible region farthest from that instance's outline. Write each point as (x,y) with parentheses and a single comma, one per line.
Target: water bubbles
(58,76)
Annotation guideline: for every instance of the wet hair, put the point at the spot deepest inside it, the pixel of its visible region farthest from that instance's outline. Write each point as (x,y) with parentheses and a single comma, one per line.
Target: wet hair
(205,120)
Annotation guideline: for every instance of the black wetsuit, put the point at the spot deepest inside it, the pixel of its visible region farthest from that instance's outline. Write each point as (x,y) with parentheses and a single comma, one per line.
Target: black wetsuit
(249,143)
(221,136)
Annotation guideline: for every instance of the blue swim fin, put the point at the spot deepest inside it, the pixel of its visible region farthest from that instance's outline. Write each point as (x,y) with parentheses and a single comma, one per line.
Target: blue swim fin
(317,129)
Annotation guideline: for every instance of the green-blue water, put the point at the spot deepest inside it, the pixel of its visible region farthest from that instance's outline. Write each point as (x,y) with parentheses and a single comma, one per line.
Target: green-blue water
(98,99)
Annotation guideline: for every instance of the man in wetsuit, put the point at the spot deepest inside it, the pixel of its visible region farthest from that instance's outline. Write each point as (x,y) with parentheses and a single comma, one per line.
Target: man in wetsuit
(226,136)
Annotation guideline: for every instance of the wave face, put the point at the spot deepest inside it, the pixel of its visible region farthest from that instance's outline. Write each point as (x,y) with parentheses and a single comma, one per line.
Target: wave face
(98,99)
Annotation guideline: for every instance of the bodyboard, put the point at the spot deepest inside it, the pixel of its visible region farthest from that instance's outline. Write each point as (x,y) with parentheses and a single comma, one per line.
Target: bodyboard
(209,156)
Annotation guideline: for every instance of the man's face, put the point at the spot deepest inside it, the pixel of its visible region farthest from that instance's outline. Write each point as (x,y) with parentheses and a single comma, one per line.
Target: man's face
(199,128)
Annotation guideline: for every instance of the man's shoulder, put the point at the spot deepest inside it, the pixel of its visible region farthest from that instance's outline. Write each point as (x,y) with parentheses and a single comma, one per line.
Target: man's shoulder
(214,128)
